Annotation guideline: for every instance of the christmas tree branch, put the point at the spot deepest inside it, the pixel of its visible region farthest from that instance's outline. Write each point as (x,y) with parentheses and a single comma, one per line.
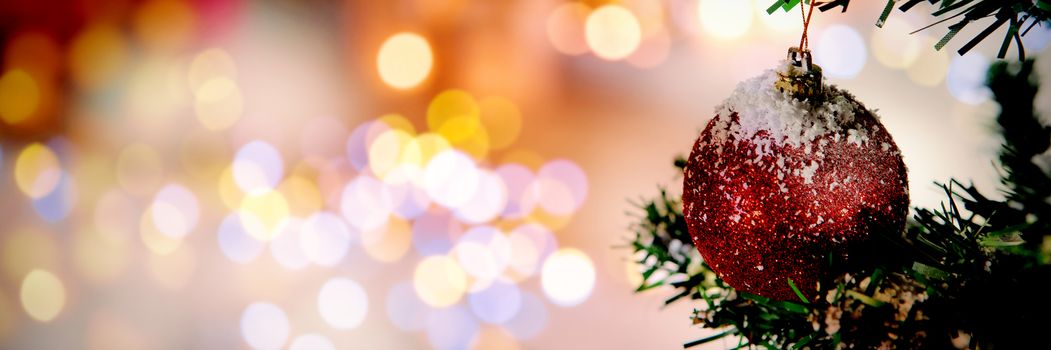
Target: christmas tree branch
(1014,13)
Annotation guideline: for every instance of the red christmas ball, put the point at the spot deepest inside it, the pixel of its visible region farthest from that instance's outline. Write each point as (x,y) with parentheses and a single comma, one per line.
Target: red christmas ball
(775,185)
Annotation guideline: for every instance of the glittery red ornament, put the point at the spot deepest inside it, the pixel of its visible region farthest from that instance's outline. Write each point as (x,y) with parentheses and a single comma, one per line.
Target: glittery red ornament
(774,185)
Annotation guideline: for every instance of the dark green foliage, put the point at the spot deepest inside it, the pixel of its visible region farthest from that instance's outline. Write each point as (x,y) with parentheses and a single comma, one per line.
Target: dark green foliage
(1018,15)
(975,266)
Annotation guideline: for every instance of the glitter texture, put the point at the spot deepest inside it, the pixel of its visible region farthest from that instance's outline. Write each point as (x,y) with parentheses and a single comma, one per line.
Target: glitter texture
(775,185)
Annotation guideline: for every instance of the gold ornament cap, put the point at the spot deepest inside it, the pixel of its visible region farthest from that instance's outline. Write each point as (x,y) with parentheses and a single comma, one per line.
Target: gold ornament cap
(800,77)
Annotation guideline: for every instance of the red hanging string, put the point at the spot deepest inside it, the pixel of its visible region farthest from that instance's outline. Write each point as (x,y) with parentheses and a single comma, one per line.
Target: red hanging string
(804,42)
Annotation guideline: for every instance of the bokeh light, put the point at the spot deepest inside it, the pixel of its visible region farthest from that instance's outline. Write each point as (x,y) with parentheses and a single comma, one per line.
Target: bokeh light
(725,19)
(780,21)
(531,318)
(209,64)
(432,233)
(218,103)
(455,115)
(57,204)
(366,203)
(966,78)
(893,46)
(19,96)
(164,25)
(156,241)
(262,213)
(264,326)
(43,295)
(97,55)
(439,281)
(140,169)
(930,66)
(451,328)
(175,210)
(258,167)
(568,277)
(311,341)
(451,178)
(502,120)
(612,32)
(517,178)
(35,52)
(37,170)
(840,51)
(530,245)
(488,201)
(404,60)
(483,253)
(285,247)
(25,249)
(565,27)
(405,309)
(325,238)
(342,303)
(1037,38)
(235,241)
(497,303)
(390,243)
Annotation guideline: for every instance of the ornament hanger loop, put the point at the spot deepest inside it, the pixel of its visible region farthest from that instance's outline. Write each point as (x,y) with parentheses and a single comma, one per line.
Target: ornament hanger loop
(800,77)
(804,42)
(801,58)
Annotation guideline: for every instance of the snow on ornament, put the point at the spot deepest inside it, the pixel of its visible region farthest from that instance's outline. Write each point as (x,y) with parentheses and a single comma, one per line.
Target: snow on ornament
(789,174)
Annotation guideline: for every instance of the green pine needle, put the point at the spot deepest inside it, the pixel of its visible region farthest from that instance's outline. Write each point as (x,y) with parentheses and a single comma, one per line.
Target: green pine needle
(798,292)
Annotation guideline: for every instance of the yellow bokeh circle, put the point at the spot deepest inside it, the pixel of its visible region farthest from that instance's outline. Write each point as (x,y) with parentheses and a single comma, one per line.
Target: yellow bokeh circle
(404,60)
(43,295)
(37,171)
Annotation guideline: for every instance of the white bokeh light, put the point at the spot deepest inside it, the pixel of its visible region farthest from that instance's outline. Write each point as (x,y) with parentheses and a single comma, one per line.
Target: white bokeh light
(531,318)
(410,201)
(451,328)
(551,195)
(451,178)
(568,277)
(840,51)
(484,253)
(325,238)
(235,241)
(725,19)
(366,203)
(312,341)
(257,167)
(175,210)
(342,303)
(966,78)
(264,326)
(612,32)
(488,201)
(285,247)
(517,178)
(498,303)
